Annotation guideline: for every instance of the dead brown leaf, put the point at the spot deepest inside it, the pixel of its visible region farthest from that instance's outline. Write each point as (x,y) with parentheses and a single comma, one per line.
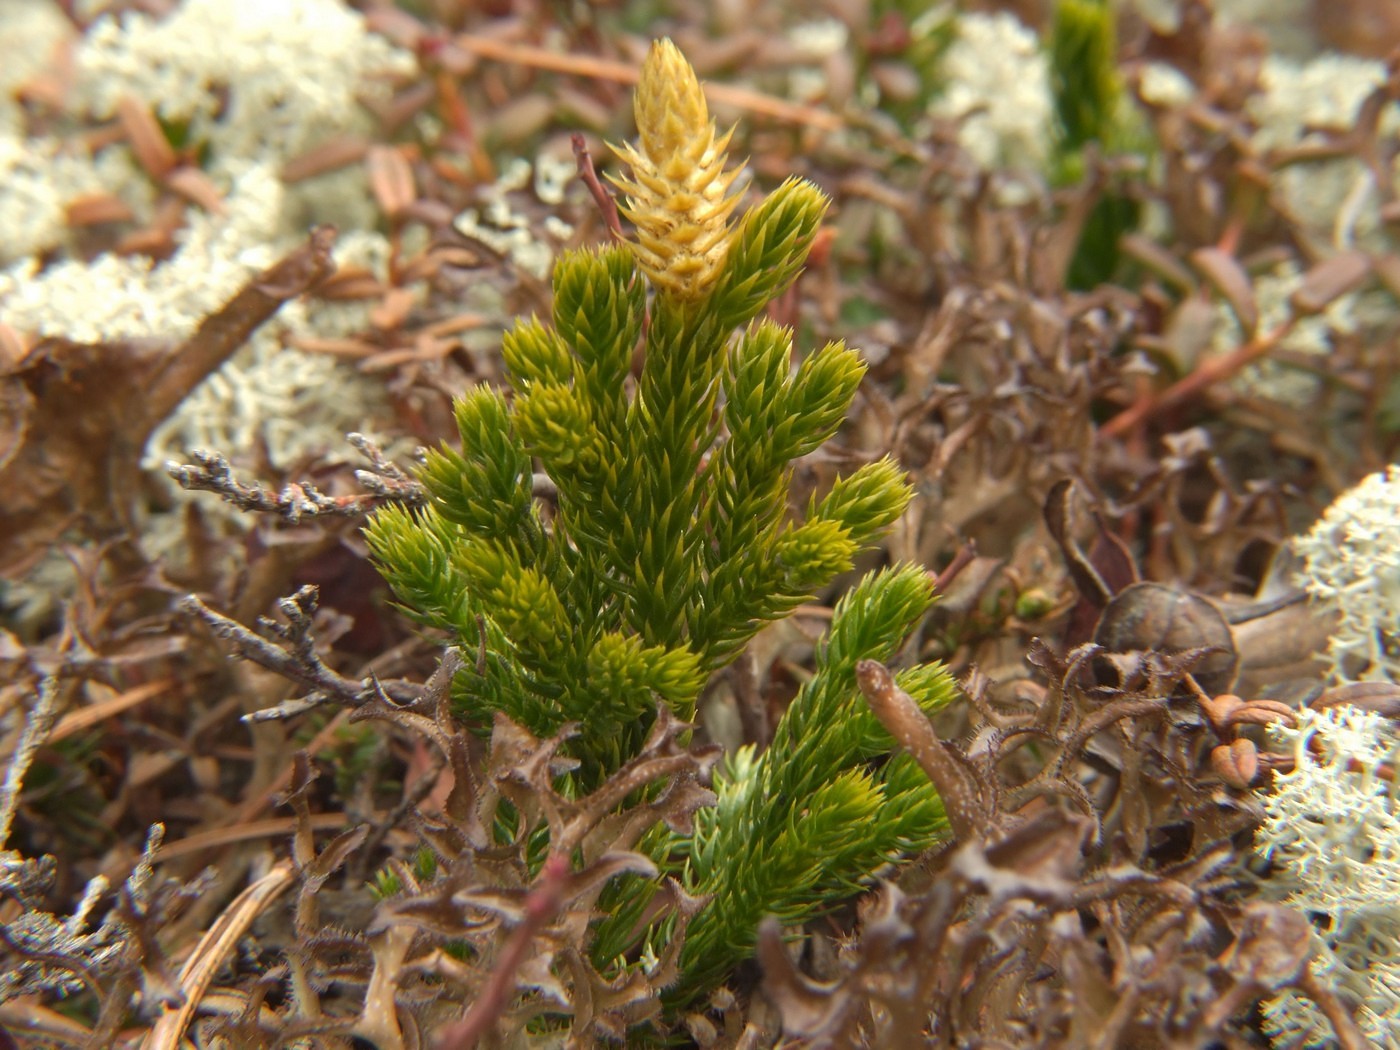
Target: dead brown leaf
(1225,274)
(1329,280)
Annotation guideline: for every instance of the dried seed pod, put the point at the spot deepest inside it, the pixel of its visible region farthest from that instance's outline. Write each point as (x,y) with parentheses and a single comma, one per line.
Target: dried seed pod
(1236,763)
(1151,617)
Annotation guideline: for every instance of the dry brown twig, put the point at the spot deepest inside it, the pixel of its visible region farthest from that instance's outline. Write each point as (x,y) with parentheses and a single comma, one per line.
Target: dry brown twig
(290,651)
(387,483)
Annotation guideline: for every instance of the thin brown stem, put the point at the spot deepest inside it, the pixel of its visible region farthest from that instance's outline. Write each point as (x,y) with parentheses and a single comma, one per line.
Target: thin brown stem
(606,204)
(541,906)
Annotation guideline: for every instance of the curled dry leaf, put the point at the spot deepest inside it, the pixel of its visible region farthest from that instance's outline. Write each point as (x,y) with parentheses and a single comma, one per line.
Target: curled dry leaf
(1225,274)
(393,309)
(1227,712)
(153,150)
(1159,260)
(95,209)
(1329,280)
(1107,567)
(197,188)
(350,284)
(1262,713)
(1381,697)
(14,347)
(331,155)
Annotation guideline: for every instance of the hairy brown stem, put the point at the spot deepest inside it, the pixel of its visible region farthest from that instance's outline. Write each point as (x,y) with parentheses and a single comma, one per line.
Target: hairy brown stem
(963,800)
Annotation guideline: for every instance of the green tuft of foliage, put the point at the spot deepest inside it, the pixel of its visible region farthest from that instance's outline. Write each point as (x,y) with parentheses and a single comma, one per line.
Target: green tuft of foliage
(1084,71)
(669,543)
(665,542)
(803,824)
(1091,110)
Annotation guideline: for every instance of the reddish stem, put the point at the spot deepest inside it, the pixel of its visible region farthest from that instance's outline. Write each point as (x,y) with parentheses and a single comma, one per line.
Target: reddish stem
(606,204)
(541,906)
(1208,374)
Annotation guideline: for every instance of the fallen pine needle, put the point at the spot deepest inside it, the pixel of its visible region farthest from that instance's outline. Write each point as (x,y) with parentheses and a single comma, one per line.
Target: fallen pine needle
(213,948)
(87,717)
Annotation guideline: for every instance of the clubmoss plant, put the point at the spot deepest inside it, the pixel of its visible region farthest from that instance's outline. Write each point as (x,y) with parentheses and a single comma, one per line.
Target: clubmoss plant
(665,541)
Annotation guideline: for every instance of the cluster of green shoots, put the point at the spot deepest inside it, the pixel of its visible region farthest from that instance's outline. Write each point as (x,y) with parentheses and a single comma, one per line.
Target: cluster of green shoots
(616,527)
(1092,110)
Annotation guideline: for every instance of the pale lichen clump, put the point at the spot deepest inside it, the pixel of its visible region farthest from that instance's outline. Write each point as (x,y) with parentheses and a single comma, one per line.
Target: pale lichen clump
(116,297)
(30,37)
(509,231)
(41,176)
(1335,200)
(255,78)
(816,43)
(1351,563)
(1162,84)
(290,404)
(254,83)
(999,93)
(246,87)
(1284,23)
(679,194)
(293,404)
(1332,835)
